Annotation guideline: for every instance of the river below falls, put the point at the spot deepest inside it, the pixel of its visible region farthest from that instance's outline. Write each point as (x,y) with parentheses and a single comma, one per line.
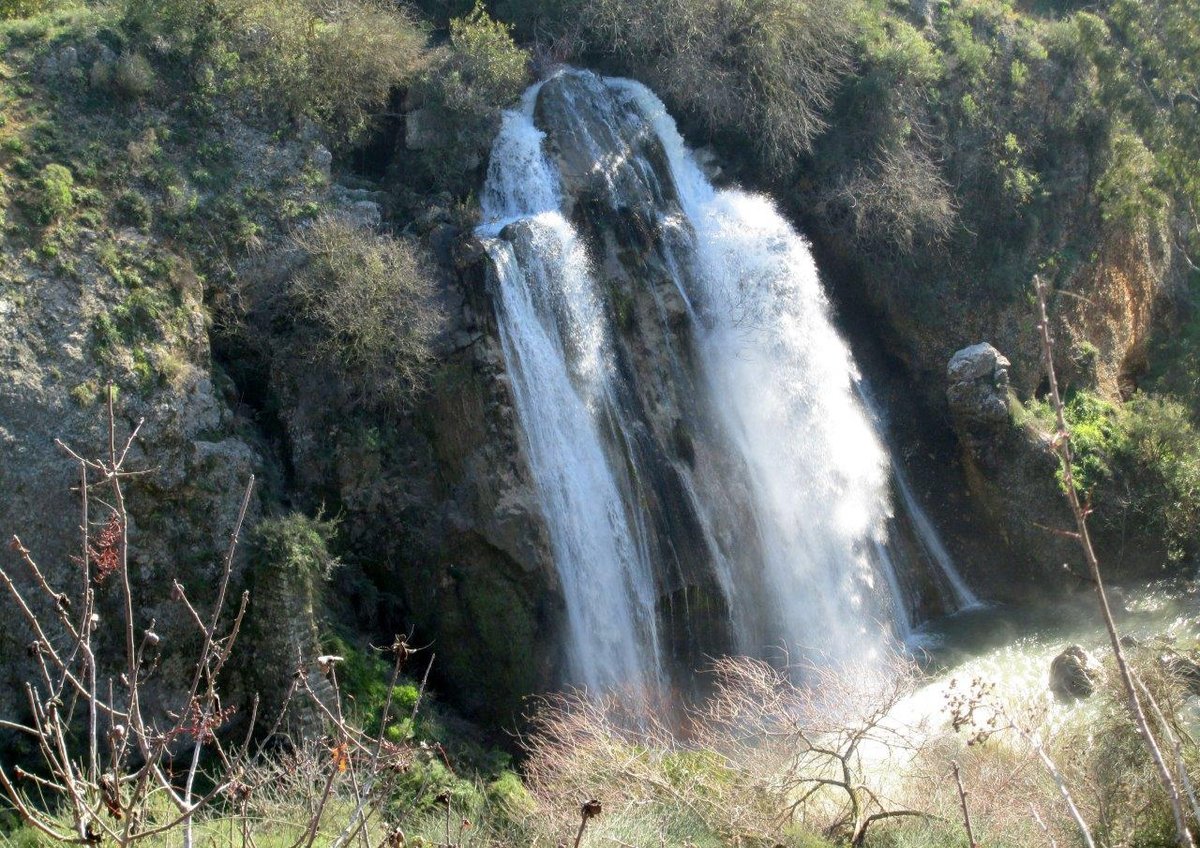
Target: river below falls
(1011,647)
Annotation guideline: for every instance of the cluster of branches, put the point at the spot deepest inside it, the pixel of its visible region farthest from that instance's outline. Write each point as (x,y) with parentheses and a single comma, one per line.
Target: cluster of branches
(770,67)
(106,756)
(761,753)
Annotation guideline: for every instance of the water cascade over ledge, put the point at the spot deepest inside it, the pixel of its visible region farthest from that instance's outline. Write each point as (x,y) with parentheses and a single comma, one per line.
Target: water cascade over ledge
(711,481)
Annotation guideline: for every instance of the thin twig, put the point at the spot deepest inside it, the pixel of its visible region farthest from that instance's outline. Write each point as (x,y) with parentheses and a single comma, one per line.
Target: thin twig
(1062,444)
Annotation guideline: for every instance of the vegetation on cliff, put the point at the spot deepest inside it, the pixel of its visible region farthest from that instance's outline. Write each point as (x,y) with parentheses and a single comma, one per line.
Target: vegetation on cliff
(247,215)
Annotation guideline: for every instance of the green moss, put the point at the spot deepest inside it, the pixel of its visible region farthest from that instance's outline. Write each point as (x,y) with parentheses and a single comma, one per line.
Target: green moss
(87,393)
(54,195)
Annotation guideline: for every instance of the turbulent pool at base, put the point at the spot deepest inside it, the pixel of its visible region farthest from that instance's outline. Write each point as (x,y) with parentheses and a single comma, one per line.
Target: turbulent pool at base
(710,477)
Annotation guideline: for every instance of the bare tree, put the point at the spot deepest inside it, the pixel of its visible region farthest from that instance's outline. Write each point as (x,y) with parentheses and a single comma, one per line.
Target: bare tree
(107,786)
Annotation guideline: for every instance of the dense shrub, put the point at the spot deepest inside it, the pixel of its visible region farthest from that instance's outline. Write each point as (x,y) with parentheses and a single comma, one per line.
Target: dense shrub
(132,76)
(336,63)
(54,196)
(899,199)
(1137,463)
(767,67)
(1127,190)
(369,299)
(295,546)
(481,71)
(20,8)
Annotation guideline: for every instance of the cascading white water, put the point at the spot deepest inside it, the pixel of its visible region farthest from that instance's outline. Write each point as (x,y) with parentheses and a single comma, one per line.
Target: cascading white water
(782,379)
(552,333)
(785,481)
(927,536)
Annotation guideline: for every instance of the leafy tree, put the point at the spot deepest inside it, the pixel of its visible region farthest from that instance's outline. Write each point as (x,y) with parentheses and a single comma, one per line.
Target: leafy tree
(462,92)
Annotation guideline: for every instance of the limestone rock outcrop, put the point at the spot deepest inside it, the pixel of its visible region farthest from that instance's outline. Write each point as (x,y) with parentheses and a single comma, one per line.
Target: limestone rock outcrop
(977,393)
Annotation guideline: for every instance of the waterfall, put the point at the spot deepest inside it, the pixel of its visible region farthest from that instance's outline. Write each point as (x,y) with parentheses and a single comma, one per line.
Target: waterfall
(709,477)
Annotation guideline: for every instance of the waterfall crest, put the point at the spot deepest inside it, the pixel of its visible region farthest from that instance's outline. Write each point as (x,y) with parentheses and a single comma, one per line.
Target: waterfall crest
(710,479)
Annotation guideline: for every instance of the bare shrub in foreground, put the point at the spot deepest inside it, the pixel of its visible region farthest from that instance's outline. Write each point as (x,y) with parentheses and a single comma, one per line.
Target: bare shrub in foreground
(107,780)
(1138,700)
(759,757)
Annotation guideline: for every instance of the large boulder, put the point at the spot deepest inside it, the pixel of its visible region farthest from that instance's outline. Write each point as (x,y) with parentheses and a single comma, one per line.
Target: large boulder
(977,392)
(1010,473)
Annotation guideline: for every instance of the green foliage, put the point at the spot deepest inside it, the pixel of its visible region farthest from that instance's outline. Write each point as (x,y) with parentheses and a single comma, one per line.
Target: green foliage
(54,196)
(133,208)
(1155,82)
(10,9)
(369,301)
(1136,463)
(508,793)
(335,63)
(899,50)
(132,77)
(364,678)
(1162,454)
(462,92)
(1127,190)
(295,547)
(1020,184)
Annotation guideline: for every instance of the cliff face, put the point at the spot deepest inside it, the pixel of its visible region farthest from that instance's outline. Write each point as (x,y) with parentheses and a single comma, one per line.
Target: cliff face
(147,265)
(1104,313)
(438,506)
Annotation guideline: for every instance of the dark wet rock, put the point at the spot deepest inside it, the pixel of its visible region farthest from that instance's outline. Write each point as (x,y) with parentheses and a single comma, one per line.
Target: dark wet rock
(1074,674)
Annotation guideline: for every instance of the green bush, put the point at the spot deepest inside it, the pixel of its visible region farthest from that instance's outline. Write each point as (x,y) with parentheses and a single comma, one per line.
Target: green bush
(10,9)
(462,93)
(132,77)
(1162,454)
(54,196)
(295,546)
(1138,464)
(133,208)
(335,63)
(1127,190)
(369,299)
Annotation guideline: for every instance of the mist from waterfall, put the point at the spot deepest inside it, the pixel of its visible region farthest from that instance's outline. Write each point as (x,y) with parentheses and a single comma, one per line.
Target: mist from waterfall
(789,483)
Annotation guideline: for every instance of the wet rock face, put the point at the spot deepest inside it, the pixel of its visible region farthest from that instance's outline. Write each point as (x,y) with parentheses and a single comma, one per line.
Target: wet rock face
(977,392)
(1074,674)
(438,504)
(605,152)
